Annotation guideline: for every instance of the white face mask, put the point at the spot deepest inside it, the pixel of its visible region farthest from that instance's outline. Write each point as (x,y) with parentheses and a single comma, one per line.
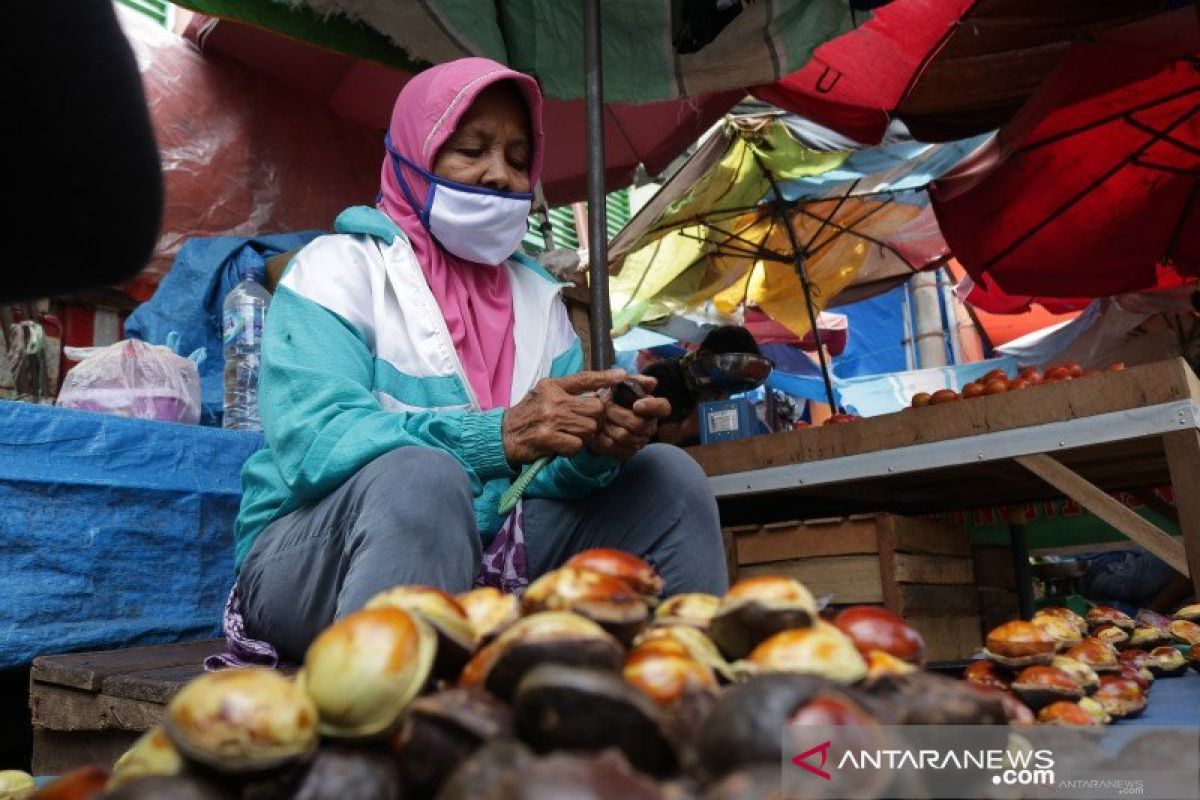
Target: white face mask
(472,222)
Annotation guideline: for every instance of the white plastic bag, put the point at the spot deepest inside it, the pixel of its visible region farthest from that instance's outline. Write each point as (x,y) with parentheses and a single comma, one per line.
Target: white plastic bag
(133,379)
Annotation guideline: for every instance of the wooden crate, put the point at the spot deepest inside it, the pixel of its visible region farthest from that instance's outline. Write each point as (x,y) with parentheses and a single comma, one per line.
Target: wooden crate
(922,570)
(89,707)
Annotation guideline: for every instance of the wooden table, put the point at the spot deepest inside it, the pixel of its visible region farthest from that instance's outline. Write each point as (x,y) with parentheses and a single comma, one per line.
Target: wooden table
(1128,429)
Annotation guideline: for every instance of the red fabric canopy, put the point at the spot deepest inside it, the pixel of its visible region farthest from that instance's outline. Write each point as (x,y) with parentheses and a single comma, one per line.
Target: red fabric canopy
(1004,317)
(947,68)
(363,92)
(1095,183)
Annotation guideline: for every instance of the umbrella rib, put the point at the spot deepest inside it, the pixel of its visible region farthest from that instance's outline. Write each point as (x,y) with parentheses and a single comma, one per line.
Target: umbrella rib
(864,236)
(624,135)
(852,225)
(1182,145)
(705,219)
(756,248)
(1165,168)
(825,222)
(724,249)
(1096,123)
(1078,196)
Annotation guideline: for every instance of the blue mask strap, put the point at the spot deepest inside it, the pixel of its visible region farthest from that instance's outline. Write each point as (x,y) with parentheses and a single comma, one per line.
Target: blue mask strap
(422,213)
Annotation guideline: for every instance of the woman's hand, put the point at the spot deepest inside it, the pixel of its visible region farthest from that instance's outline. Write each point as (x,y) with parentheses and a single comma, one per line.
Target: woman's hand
(624,431)
(557,417)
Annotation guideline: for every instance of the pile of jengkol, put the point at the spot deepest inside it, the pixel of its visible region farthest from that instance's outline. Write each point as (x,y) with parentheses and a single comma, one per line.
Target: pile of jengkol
(590,686)
(1074,670)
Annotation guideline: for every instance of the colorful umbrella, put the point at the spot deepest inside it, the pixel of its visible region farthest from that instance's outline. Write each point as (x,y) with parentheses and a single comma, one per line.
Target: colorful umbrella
(363,91)
(861,215)
(709,234)
(1093,187)
(652,49)
(946,68)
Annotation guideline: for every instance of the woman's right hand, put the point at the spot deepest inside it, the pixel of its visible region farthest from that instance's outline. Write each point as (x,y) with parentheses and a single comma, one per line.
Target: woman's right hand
(557,417)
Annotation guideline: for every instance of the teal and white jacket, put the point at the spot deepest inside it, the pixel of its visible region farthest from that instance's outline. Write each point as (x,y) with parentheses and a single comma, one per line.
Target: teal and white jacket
(357,361)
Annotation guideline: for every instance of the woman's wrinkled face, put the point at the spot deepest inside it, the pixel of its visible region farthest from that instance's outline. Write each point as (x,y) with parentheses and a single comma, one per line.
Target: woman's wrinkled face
(492,146)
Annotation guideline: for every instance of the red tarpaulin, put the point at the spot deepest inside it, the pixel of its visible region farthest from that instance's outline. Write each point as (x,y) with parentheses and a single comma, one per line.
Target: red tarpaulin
(362,91)
(241,154)
(1093,186)
(947,68)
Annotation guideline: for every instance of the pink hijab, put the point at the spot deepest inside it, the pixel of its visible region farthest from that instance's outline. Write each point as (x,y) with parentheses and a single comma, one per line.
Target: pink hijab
(475,299)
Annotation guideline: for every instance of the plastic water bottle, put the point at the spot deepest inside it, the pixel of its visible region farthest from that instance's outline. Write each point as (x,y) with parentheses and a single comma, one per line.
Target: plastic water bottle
(241,330)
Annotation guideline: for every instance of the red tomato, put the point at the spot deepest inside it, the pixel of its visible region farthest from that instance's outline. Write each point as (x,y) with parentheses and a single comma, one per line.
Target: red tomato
(800,425)
(972,390)
(996,387)
(1117,367)
(996,374)
(943,396)
(1031,375)
(1018,383)
(1058,374)
(838,419)
(1075,370)
(920,399)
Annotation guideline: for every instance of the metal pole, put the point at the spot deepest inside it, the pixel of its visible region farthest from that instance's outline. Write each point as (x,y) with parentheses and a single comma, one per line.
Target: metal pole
(802,273)
(601,314)
(543,212)
(1019,541)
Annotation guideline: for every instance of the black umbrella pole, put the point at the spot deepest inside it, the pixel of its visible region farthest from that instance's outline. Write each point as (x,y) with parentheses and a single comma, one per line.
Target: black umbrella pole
(816,329)
(601,314)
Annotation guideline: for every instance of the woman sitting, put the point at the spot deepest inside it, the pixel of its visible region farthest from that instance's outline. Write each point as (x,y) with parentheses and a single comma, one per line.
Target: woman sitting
(414,361)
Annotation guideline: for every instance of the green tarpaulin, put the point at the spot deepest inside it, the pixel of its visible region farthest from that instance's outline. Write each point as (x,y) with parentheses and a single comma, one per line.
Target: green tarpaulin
(764,42)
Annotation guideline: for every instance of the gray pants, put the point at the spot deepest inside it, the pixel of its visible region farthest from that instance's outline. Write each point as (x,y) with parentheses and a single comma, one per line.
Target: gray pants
(407,518)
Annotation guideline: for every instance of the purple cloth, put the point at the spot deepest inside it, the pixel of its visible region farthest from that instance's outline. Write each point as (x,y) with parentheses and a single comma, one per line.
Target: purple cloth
(504,567)
(504,562)
(243,651)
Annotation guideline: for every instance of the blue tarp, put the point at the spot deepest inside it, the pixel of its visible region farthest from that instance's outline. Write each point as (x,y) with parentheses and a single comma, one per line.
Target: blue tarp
(875,344)
(113,531)
(871,395)
(906,168)
(190,297)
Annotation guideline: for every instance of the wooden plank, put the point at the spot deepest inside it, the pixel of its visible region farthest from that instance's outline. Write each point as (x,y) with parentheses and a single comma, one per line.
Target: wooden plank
(88,670)
(885,538)
(948,638)
(912,568)
(938,600)
(1097,501)
(155,685)
(729,545)
(1151,384)
(922,536)
(55,752)
(64,709)
(56,708)
(131,715)
(850,579)
(1183,459)
(799,540)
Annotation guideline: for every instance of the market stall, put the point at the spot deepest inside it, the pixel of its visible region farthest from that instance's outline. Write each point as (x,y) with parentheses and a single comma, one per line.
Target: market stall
(1118,430)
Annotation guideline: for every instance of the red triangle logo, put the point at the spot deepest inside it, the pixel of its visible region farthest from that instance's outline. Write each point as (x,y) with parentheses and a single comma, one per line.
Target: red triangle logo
(802,760)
